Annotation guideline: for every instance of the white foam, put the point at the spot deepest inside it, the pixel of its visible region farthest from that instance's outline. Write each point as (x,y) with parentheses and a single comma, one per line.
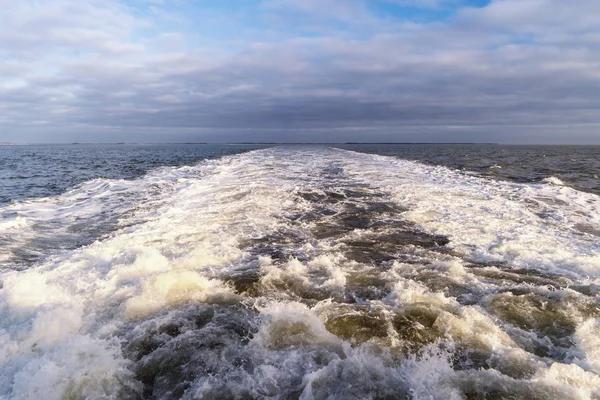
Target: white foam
(50,313)
(587,346)
(552,180)
(570,378)
(171,289)
(290,325)
(80,367)
(181,233)
(524,225)
(322,274)
(13,223)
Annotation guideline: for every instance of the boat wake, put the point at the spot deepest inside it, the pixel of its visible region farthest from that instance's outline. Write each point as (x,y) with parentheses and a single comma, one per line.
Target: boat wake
(302,272)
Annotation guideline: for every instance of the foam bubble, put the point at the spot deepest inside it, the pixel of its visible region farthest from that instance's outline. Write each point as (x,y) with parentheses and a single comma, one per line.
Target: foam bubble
(13,223)
(174,288)
(587,342)
(552,180)
(492,221)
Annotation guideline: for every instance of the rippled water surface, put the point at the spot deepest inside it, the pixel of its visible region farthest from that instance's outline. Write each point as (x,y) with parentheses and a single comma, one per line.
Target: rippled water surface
(575,166)
(302,272)
(44,170)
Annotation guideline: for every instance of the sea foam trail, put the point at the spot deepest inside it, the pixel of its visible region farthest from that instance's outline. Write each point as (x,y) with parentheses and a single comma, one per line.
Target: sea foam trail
(34,229)
(311,273)
(528,225)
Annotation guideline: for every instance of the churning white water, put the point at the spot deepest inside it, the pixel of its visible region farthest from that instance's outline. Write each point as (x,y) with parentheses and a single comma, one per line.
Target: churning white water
(302,272)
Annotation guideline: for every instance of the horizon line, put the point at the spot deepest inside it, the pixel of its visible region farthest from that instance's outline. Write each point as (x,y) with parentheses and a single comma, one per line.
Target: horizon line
(293,143)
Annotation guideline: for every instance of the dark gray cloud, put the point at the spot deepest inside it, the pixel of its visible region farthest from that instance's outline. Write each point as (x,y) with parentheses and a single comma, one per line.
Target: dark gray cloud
(514,71)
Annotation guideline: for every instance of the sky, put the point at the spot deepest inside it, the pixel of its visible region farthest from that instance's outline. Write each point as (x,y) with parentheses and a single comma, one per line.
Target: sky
(505,71)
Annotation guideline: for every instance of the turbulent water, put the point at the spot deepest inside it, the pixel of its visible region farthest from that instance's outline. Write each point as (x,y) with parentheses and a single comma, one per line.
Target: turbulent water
(575,166)
(44,170)
(302,272)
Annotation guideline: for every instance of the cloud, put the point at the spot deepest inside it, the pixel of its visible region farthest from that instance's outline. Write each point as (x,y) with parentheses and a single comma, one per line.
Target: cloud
(90,67)
(426,3)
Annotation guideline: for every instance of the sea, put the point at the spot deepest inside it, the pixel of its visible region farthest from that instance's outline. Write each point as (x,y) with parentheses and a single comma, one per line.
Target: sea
(350,271)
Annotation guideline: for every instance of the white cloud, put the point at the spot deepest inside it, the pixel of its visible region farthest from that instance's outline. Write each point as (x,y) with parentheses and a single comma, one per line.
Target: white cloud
(512,63)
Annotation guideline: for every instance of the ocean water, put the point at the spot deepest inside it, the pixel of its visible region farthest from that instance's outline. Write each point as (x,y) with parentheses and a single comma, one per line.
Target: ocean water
(575,166)
(301,272)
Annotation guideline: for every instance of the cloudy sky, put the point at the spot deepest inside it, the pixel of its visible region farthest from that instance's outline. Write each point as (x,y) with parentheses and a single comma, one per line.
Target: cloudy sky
(508,71)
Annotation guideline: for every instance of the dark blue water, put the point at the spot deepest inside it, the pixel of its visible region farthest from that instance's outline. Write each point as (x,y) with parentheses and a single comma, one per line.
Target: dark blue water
(32,171)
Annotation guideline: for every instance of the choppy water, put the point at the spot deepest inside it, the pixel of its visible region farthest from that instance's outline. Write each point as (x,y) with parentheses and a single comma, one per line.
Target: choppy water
(303,272)
(575,166)
(67,196)
(45,170)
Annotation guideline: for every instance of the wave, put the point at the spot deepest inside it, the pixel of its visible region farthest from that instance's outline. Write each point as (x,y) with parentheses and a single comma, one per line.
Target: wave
(305,272)
(32,230)
(552,180)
